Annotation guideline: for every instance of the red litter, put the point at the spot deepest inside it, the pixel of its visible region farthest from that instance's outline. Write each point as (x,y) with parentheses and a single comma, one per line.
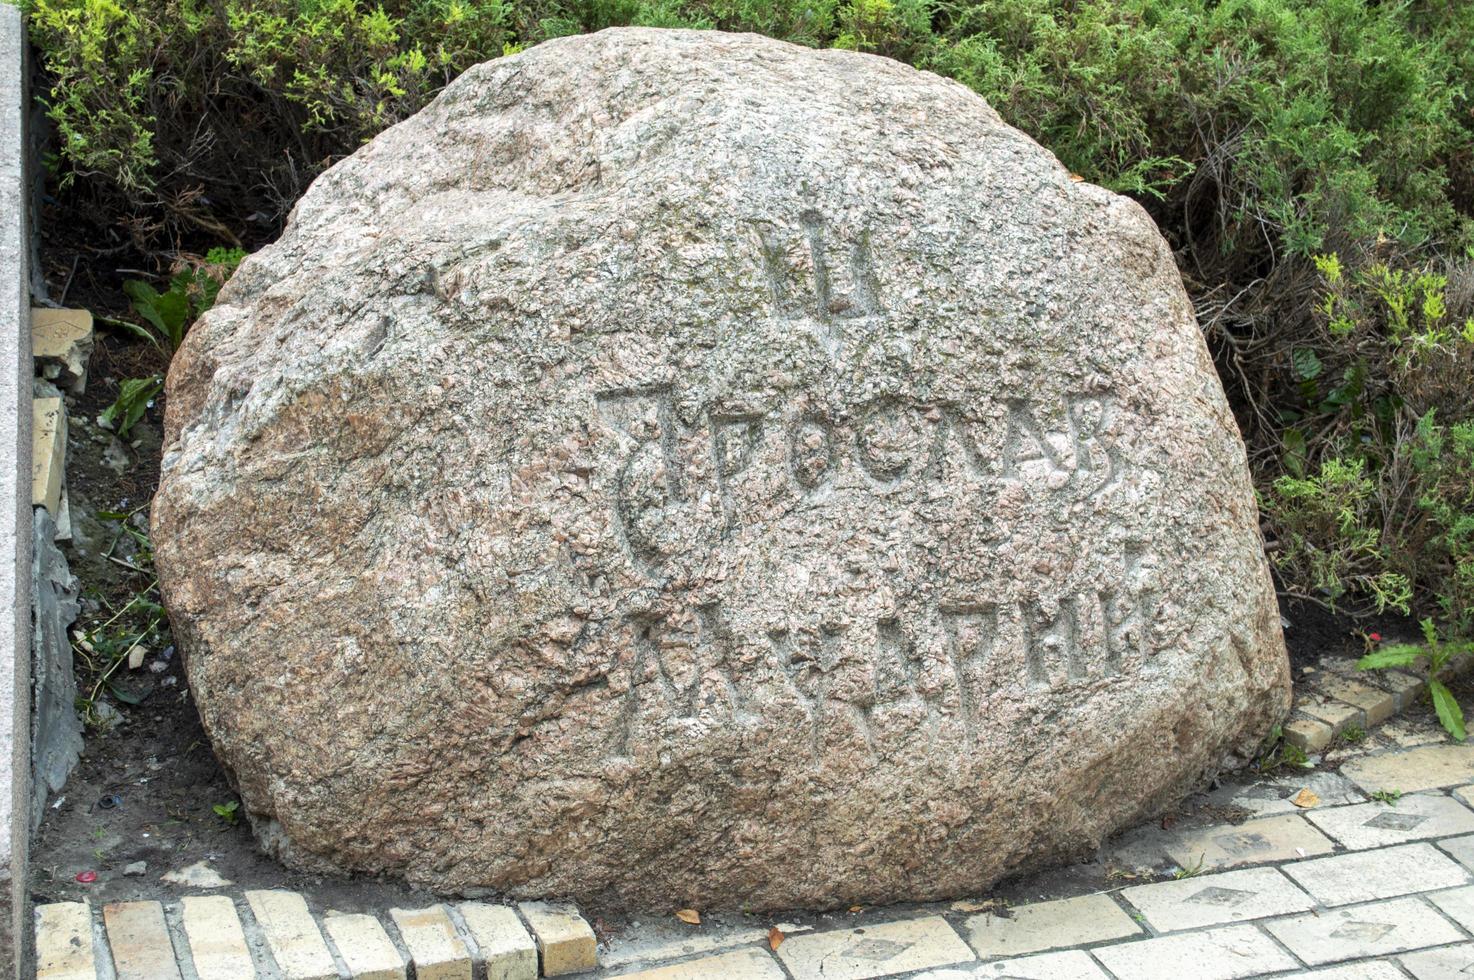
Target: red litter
(1375,637)
(86,877)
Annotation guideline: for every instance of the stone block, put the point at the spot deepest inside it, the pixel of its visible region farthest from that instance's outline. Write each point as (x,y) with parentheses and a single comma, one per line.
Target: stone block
(1414,769)
(1221,899)
(1048,925)
(1283,838)
(435,948)
(64,949)
(503,945)
(56,728)
(1309,735)
(217,943)
(139,939)
(874,951)
(1225,953)
(1375,703)
(365,947)
(1337,714)
(1405,687)
(292,935)
(1071,965)
(61,343)
(1414,817)
(1449,963)
(1365,876)
(743,964)
(1378,929)
(48,452)
(565,943)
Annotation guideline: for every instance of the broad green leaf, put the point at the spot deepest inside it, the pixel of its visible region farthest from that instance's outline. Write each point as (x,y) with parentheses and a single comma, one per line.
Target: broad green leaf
(1449,712)
(1402,655)
(1307,365)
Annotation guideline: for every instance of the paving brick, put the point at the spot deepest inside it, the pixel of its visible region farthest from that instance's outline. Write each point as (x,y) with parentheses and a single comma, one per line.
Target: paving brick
(48,453)
(1338,714)
(1208,900)
(365,947)
(1272,797)
(1282,838)
(742,964)
(1378,824)
(61,343)
(64,942)
(1377,705)
(1457,904)
(565,943)
(292,935)
(1309,735)
(1069,965)
(1364,931)
(1405,688)
(1464,794)
(139,939)
(1448,963)
(1364,876)
(503,944)
(1368,970)
(874,951)
(437,952)
(217,944)
(1048,925)
(1462,849)
(1226,953)
(1411,770)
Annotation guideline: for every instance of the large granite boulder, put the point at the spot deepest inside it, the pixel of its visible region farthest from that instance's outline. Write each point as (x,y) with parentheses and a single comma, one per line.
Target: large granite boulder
(682,468)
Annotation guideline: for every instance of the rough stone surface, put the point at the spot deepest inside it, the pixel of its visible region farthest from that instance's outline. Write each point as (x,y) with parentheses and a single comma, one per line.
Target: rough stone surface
(56,730)
(683,468)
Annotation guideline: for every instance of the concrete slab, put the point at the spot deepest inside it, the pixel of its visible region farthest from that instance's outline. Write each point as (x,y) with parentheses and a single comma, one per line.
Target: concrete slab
(504,948)
(565,942)
(1217,954)
(1364,931)
(1414,817)
(15,503)
(1415,769)
(1210,900)
(1364,876)
(61,343)
(874,951)
(1048,925)
(743,964)
(217,944)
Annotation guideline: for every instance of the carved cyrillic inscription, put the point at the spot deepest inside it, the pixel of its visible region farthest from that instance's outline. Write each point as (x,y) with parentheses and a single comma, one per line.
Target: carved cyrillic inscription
(851,680)
(820,277)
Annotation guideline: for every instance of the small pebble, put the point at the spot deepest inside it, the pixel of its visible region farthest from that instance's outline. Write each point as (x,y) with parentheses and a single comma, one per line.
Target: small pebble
(136,870)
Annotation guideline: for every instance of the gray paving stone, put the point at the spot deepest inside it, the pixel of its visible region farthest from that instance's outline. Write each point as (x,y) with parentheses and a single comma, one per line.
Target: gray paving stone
(1048,925)
(874,951)
(1283,838)
(1210,900)
(1462,848)
(1364,876)
(1378,929)
(1411,770)
(1415,817)
(1464,794)
(1456,903)
(1447,963)
(1072,964)
(1225,953)
(1270,797)
(741,964)
(1366,970)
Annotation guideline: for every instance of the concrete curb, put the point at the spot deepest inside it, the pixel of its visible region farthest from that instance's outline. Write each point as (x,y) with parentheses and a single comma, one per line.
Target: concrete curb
(15,498)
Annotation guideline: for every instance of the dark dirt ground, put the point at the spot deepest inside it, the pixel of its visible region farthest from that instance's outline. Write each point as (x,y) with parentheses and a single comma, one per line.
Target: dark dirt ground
(145,787)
